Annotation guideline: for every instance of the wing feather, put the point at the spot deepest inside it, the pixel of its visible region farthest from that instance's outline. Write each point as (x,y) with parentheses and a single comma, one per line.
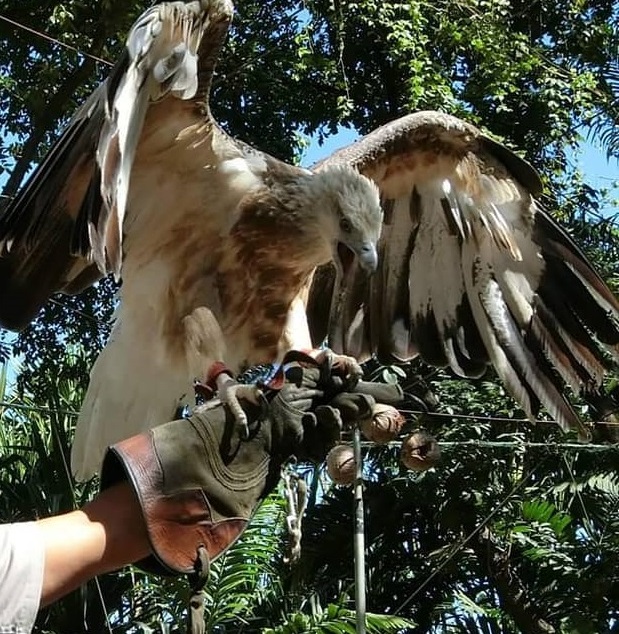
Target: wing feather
(71,211)
(474,271)
(160,59)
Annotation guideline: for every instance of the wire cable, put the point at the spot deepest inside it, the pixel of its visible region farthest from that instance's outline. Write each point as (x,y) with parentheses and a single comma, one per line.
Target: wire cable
(37,408)
(498,419)
(49,38)
(460,545)
(511,444)
(79,312)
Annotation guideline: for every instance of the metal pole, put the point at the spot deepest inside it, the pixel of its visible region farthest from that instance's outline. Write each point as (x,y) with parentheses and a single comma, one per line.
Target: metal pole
(359,534)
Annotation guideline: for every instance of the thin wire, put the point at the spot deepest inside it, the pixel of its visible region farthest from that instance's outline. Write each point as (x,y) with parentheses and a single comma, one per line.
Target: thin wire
(55,41)
(610,220)
(341,46)
(497,444)
(498,419)
(34,408)
(79,312)
(109,63)
(103,605)
(579,496)
(458,547)
(490,444)
(479,443)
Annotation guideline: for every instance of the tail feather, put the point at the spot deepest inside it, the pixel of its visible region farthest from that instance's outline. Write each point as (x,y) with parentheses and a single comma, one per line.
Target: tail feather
(132,389)
(140,379)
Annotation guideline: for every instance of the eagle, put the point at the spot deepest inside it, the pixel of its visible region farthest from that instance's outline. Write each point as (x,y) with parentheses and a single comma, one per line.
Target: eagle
(426,237)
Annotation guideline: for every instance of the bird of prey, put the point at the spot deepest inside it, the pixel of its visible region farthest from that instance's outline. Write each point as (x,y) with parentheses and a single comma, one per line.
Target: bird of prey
(227,254)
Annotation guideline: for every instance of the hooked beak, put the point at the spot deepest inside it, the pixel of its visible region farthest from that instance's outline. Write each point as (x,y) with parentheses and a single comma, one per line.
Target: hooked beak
(368,257)
(366,254)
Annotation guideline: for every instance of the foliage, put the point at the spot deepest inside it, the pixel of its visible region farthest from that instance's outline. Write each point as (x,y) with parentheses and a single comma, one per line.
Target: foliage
(35,482)
(492,530)
(337,620)
(502,537)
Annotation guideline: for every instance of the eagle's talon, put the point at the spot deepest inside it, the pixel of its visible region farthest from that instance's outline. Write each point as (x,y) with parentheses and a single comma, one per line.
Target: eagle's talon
(230,393)
(342,365)
(243,430)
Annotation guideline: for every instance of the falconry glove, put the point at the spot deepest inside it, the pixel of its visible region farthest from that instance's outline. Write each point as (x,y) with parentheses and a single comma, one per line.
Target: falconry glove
(198,479)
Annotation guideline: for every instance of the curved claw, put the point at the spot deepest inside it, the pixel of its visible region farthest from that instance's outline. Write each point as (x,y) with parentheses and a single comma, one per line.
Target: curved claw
(231,392)
(342,365)
(349,365)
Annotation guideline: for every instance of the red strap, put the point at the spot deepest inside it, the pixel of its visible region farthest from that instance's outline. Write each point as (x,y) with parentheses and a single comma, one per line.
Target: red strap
(208,388)
(303,357)
(217,369)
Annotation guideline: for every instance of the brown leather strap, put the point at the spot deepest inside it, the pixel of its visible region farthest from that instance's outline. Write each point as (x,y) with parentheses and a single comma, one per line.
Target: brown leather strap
(197,580)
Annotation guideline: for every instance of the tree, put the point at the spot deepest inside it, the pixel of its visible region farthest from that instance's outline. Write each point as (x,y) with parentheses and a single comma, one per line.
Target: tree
(540,76)
(511,533)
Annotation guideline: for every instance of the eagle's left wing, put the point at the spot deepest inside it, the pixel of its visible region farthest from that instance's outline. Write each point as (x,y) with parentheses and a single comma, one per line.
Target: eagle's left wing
(472,270)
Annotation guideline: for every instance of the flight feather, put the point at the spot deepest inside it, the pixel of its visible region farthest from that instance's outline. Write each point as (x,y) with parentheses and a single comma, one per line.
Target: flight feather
(473,271)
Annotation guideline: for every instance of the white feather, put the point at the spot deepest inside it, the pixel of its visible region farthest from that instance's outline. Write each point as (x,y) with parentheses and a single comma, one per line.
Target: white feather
(144,373)
(132,388)
(160,60)
(436,260)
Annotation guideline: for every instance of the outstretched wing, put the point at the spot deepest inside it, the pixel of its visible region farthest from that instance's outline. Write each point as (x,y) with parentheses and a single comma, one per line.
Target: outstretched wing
(65,229)
(472,270)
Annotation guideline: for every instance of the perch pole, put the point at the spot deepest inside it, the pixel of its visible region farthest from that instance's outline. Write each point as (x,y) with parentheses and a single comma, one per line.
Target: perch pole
(359,543)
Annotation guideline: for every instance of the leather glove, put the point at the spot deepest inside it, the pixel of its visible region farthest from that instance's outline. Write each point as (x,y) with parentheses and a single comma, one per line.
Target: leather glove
(317,400)
(198,480)
(303,426)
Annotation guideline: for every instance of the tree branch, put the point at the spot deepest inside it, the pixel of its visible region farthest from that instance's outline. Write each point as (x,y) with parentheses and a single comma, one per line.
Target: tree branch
(512,593)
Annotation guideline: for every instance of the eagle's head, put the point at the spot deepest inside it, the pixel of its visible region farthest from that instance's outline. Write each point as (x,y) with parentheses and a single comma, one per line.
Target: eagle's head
(349,215)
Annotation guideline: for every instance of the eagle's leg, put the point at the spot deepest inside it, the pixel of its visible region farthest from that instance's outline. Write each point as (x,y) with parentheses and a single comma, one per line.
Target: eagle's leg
(230,392)
(204,339)
(220,381)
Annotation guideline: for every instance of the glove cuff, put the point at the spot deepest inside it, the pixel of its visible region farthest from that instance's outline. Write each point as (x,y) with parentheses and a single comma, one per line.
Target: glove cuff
(177,523)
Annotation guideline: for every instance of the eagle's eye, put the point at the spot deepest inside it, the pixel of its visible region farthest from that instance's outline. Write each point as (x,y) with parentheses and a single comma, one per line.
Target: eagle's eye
(345,225)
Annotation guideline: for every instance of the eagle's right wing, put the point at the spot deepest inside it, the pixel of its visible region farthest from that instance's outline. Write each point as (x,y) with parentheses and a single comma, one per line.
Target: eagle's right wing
(65,228)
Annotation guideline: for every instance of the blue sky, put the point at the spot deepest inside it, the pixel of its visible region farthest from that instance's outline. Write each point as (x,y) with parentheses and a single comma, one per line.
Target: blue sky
(315,151)
(600,172)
